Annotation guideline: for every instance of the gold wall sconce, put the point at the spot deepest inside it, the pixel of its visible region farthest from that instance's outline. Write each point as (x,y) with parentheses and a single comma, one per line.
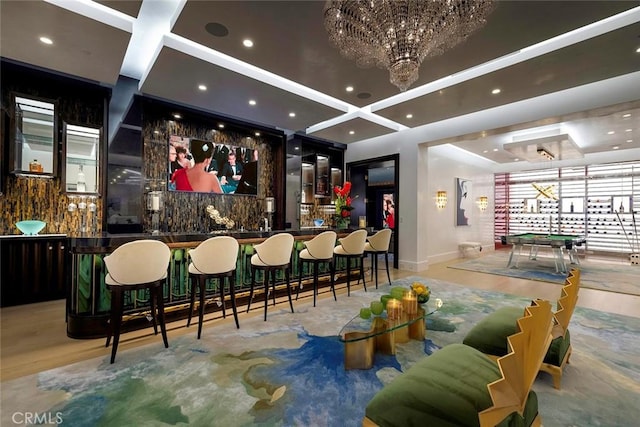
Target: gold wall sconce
(441,199)
(483,203)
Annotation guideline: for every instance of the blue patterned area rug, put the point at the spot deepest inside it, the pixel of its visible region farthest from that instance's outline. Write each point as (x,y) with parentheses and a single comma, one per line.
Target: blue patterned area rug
(289,371)
(606,276)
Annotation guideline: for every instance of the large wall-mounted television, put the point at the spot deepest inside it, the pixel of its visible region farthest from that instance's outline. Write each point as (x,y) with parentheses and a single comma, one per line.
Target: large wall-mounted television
(197,165)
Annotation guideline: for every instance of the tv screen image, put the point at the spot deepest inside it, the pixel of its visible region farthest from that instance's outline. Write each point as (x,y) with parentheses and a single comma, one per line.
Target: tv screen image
(197,165)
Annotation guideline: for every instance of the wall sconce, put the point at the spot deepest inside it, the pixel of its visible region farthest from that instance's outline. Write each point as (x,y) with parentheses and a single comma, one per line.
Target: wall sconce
(155,203)
(441,199)
(483,203)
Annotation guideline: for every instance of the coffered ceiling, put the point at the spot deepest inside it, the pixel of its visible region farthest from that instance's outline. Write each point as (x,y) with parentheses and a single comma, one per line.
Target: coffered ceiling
(298,80)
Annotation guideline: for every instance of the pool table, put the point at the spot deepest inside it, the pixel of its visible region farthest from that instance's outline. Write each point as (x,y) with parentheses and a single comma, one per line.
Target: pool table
(557,242)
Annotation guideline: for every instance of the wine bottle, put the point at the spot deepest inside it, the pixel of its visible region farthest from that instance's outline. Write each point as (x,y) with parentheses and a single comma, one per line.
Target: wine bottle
(81,185)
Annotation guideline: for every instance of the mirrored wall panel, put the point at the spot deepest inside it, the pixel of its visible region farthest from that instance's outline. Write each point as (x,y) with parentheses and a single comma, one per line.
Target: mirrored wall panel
(81,158)
(34,128)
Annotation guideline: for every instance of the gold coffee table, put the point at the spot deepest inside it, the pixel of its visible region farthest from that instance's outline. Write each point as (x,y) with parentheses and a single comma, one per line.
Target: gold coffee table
(362,338)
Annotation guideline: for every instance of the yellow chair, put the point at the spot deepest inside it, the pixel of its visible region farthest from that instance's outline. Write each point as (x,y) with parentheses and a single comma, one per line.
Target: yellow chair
(458,385)
(137,265)
(490,334)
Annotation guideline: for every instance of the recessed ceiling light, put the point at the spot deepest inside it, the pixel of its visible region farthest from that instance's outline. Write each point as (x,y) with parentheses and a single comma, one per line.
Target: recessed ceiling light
(611,132)
(615,147)
(252,102)
(496,91)
(296,148)
(46,40)
(628,130)
(516,159)
(177,116)
(247,43)
(202,87)
(349,88)
(221,125)
(156,132)
(626,116)
(292,114)
(351,132)
(485,151)
(257,134)
(409,116)
(629,140)
(495,149)
(638,50)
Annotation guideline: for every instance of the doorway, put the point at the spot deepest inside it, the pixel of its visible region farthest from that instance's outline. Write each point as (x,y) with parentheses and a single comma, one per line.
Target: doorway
(377,180)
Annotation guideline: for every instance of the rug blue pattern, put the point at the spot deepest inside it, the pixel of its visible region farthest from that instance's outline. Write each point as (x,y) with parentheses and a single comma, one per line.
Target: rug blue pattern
(289,371)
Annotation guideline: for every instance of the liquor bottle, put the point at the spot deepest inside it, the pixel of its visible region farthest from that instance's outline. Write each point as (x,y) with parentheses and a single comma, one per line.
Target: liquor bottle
(35,166)
(621,208)
(571,207)
(80,182)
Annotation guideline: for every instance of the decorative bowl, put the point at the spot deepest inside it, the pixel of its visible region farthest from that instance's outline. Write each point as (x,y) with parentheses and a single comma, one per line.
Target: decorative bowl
(318,222)
(30,227)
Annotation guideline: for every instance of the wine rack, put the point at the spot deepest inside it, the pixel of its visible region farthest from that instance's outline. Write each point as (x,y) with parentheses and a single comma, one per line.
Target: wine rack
(585,204)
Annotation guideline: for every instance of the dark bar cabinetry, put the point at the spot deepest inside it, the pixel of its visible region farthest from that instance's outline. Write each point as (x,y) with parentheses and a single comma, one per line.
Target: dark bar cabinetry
(32,268)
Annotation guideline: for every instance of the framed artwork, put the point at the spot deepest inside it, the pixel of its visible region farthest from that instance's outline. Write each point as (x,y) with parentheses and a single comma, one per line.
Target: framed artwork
(464,201)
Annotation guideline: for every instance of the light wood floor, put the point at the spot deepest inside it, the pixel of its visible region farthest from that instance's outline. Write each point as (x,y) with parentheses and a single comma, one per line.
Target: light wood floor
(34,339)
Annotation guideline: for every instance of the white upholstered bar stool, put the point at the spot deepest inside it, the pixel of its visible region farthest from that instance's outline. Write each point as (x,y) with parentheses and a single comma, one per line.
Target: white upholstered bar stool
(215,258)
(272,255)
(352,247)
(137,265)
(318,250)
(376,245)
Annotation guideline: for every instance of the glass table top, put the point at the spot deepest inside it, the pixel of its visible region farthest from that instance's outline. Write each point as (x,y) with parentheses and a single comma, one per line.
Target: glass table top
(358,329)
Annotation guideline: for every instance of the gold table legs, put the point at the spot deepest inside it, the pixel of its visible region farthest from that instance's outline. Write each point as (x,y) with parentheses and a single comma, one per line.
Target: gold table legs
(360,347)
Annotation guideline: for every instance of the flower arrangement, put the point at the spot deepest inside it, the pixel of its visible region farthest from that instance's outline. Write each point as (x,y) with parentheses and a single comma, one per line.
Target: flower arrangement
(422,291)
(220,220)
(343,203)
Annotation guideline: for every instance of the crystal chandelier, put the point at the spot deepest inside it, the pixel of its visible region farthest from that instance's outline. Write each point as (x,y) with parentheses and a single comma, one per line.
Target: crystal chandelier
(399,34)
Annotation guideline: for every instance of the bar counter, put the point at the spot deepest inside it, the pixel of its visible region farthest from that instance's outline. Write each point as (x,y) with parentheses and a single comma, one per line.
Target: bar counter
(89,301)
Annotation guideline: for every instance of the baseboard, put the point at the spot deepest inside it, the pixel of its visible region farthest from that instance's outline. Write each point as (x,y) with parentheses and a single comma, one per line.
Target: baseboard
(413,266)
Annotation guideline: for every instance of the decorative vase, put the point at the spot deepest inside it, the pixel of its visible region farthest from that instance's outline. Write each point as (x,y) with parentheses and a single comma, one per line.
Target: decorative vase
(343,223)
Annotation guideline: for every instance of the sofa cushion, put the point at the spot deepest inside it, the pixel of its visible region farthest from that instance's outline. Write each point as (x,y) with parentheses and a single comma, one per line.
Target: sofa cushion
(490,334)
(558,349)
(448,388)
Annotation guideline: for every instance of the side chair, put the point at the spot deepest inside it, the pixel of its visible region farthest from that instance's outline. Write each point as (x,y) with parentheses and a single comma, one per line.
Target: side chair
(318,250)
(215,258)
(352,247)
(270,256)
(137,265)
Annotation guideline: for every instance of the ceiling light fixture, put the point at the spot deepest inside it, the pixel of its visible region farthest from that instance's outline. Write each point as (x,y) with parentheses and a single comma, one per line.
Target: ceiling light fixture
(545,154)
(409,116)
(292,114)
(351,132)
(399,34)
(496,91)
(247,43)
(202,87)
(349,88)
(252,102)
(46,40)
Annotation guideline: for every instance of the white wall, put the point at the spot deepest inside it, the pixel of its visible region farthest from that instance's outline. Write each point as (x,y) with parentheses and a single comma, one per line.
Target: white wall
(445,163)
(418,217)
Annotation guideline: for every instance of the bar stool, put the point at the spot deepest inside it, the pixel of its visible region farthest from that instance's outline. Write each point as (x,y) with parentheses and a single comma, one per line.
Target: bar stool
(215,258)
(378,244)
(352,247)
(318,250)
(271,255)
(137,265)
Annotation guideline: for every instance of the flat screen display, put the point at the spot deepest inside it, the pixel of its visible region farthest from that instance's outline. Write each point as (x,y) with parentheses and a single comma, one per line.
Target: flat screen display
(203,166)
